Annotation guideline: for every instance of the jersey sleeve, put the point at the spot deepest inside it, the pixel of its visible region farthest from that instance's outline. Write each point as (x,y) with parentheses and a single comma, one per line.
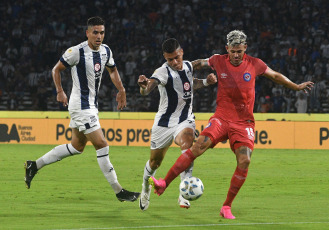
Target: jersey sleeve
(110,60)
(161,75)
(71,57)
(189,66)
(212,60)
(260,67)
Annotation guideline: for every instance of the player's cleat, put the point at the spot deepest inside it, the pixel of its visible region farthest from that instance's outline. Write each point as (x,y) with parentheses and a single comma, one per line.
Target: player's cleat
(125,195)
(183,203)
(30,171)
(144,201)
(158,185)
(225,212)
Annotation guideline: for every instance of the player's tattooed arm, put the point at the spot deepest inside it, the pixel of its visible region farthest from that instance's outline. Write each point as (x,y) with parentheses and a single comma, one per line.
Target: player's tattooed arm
(199,83)
(200,64)
(205,139)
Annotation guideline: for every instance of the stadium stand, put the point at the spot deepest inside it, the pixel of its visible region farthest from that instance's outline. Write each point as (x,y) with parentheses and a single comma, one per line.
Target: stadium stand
(290,36)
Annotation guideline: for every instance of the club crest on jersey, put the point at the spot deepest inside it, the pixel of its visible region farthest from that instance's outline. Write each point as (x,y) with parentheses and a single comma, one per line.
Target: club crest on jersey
(187,86)
(247,76)
(97,67)
(209,124)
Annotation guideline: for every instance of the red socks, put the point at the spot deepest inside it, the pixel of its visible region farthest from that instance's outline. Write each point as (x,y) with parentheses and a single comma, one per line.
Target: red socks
(237,181)
(181,164)
(185,160)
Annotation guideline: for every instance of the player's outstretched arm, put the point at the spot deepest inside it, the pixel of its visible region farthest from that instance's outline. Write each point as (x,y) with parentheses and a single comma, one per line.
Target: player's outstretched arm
(200,64)
(146,85)
(116,79)
(283,80)
(199,83)
(56,74)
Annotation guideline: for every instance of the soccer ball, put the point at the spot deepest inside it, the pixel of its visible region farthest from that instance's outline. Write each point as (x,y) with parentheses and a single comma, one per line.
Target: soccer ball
(191,188)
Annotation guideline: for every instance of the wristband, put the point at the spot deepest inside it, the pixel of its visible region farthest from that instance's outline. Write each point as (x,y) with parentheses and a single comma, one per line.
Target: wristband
(205,83)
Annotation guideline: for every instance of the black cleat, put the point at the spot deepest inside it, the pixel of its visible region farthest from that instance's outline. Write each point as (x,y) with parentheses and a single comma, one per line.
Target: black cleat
(125,195)
(30,171)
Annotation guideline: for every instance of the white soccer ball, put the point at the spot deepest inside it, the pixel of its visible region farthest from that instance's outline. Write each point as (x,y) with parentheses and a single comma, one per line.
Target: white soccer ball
(191,188)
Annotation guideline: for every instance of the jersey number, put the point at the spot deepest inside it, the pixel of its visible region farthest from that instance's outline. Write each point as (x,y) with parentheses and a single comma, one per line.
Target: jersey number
(250,132)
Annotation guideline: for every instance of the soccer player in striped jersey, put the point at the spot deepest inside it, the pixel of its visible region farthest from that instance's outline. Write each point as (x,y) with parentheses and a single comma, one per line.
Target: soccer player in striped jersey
(233,118)
(174,120)
(87,61)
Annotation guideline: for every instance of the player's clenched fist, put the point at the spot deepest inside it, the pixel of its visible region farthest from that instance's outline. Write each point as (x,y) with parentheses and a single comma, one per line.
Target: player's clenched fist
(142,81)
(211,79)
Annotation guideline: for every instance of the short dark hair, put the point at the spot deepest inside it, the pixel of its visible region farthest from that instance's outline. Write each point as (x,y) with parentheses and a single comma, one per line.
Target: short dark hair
(170,45)
(95,21)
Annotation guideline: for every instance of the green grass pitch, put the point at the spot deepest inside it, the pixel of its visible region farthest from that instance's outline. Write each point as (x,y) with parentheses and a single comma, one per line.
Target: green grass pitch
(285,189)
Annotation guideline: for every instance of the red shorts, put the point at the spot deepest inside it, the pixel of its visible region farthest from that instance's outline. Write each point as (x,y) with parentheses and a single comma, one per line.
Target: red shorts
(239,134)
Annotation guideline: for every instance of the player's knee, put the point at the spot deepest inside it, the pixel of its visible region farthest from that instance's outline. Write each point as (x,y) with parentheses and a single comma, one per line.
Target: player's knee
(100,144)
(243,154)
(78,149)
(186,145)
(244,161)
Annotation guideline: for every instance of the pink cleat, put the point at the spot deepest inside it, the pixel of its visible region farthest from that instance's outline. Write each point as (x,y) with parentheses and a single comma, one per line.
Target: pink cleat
(158,185)
(225,212)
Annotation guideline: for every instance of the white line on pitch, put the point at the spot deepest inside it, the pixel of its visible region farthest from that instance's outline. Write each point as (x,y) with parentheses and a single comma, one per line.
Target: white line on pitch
(196,225)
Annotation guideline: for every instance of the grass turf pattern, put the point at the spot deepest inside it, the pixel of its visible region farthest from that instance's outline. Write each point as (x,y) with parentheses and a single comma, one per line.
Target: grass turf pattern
(285,189)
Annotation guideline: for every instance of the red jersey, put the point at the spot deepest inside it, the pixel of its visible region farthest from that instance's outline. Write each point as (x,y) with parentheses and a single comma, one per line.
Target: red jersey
(236,86)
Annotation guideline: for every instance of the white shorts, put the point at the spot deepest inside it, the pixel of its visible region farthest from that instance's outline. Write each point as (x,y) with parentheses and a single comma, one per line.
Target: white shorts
(85,121)
(162,137)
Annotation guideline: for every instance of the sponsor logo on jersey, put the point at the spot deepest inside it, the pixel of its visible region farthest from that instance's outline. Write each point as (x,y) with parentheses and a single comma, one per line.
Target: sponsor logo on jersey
(187,86)
(247,76)
(187,95)
(97,67)
(223,75)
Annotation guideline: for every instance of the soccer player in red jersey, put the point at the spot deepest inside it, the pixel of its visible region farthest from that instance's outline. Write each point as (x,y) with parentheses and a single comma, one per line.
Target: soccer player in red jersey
(233,118)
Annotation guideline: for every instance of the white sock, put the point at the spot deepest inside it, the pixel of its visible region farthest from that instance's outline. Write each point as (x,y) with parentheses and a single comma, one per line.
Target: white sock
(104,163)
(188,171)
(56,154)
(148,172)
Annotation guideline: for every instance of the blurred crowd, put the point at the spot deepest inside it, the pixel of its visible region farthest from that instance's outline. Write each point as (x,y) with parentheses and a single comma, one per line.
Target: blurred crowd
(290,36)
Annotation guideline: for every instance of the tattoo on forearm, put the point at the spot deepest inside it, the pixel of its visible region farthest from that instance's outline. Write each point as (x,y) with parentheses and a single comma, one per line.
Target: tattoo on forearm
(196,64)
(200,64)
(205,139)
